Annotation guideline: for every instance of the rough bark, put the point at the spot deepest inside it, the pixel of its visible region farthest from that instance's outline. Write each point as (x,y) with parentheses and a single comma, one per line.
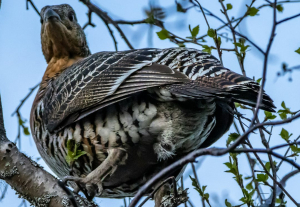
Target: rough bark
(29,179)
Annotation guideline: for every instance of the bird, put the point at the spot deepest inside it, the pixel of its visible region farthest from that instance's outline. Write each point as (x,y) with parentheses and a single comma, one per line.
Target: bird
(108,122)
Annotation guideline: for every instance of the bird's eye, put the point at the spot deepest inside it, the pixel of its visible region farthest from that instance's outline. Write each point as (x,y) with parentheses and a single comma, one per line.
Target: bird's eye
(71,17)
(42,21)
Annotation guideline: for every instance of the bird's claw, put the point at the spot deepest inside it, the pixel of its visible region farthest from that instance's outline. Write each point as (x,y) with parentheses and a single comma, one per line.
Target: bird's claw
(89,187)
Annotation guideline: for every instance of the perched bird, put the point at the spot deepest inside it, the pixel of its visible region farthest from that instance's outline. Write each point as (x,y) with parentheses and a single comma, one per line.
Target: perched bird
(110,121)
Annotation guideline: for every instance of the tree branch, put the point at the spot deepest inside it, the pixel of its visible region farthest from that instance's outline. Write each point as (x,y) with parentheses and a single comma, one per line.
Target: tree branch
(29,179)
(191,158)
(104,15)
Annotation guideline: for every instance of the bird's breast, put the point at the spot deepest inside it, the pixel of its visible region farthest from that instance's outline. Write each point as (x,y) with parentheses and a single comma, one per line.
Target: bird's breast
(151,131)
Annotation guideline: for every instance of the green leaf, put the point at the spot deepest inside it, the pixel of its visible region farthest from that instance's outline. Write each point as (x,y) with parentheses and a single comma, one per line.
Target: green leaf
(244,48)
(195,31)
(252,11)
(180,8)
(283,116)
(249,186)
(228,6)
(206,196)
(268,166)
(200,190)
(196,186)
(211,33)
(231,138)
(72,152)
(227,203)
(285,134)
(295,148)
(279,8)
(258,80)
(262,177)
(237,105)
(298,50)
(26,131)
(238,44)
(283,105)
(21,122)
(163,34)
(283,112)
(269,115)
(180,44)
(207,49)
(219,41)
(79,153)
(150,19)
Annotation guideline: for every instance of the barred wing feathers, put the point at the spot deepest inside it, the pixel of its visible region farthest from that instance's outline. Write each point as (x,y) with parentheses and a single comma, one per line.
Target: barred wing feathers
(108,77)
(100,80)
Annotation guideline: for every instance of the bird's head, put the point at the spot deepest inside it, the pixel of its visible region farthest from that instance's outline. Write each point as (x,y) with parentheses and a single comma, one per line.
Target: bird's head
(61,34)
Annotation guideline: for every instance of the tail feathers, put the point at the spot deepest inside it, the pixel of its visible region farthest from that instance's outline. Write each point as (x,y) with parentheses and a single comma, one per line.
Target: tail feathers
(228,86)
(246,92)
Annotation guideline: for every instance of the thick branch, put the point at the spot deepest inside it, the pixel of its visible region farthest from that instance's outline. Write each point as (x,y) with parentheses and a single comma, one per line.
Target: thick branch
(29,179)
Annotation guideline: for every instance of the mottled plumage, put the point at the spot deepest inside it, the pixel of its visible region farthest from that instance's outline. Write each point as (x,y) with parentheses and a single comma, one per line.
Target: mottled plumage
(133,112)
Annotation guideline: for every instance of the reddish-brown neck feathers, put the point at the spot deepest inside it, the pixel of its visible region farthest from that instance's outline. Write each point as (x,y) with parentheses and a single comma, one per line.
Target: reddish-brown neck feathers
(63,40)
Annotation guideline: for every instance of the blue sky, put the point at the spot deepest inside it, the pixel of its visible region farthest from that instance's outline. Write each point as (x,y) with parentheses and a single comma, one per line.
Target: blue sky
(22,65)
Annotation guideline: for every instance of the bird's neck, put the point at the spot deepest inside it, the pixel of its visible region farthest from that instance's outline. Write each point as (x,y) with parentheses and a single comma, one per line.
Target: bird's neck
(56,66)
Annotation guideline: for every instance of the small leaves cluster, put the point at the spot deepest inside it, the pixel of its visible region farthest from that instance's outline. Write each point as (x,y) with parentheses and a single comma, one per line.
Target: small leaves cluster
(269,116)
(233,168)
(294,147)
(22,124)
(231,138)
(241,45)
(201,190)
(252,11)
(213,34)
(285,111)
(163,34)
(73,153)
(194,32)
(180,8)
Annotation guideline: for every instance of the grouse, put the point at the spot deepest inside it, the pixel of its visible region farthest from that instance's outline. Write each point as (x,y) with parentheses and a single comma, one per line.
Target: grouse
(110,121)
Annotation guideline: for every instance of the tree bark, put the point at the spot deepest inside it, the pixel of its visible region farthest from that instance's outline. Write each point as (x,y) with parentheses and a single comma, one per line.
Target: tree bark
(29,179)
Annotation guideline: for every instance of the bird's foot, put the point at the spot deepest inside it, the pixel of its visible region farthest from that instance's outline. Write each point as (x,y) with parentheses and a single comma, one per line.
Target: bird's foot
(89,186)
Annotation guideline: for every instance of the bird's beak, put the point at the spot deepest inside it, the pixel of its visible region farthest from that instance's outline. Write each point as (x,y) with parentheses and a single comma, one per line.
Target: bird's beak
(50,15)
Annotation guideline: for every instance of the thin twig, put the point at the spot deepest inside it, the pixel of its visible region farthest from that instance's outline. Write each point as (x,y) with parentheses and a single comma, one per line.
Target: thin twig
(240,60)
(104,15)
(196,177)
(288,18)
(34,7)
(111,34)
(265,66)
(89,22)
(31,90)
(182,188)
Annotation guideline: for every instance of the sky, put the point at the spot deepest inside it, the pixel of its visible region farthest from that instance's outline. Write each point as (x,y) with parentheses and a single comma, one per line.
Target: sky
(22,65)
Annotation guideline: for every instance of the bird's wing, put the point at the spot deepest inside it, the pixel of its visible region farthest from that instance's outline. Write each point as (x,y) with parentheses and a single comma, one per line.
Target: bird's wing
(209,79)
(100,80)
(108,77)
